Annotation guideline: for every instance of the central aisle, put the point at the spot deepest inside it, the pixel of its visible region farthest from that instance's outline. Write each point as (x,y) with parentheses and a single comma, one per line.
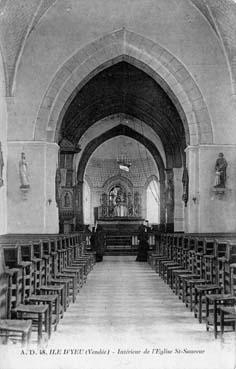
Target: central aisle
(125,305)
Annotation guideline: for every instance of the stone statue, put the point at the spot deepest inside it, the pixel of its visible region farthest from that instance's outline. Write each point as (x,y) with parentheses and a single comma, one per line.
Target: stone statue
(1,165)
(67,200)
(104,199)
(24,172)
(220,171)
(185,181)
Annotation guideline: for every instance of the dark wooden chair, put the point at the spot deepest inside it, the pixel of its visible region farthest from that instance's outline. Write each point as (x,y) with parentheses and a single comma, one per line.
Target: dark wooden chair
(27,254)
(38,314)
(171,258)
(228,296)
(215,267)
(15,330)
(187,269)
(165,246)
(194,276)
(19,290)
(227,318)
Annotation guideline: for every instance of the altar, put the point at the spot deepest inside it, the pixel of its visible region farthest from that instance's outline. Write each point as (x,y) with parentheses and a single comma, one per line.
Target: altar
(120,210)
(119,203)
(120,217)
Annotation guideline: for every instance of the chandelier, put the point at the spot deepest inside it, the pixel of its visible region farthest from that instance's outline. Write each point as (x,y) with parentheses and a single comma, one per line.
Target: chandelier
(123,162)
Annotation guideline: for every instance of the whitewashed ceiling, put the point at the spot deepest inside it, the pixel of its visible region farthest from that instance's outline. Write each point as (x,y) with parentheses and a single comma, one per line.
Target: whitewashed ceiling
(18,18)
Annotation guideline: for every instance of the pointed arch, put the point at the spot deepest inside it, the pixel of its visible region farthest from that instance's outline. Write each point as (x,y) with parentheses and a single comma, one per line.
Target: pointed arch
(123,45)
(126,131)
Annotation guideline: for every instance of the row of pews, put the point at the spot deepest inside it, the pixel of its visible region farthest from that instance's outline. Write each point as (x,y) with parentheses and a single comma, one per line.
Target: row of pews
(40,276)
(201,270)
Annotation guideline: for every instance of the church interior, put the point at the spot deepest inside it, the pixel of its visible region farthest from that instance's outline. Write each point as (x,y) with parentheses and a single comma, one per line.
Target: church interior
(117,183)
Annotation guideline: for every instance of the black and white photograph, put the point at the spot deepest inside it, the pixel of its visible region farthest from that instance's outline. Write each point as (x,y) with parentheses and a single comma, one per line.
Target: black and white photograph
(117,184)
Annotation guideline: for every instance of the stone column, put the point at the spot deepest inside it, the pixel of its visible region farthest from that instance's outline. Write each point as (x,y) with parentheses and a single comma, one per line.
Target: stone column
(179,204)
(162,206)
(3,184)
(169,200)
(191,212)
(79,205)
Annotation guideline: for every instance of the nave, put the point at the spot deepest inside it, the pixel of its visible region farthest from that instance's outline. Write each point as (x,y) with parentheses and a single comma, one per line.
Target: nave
(126,305)
(117,137)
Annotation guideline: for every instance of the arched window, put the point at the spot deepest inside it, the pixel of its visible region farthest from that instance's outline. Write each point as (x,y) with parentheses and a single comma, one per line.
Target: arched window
(153,202)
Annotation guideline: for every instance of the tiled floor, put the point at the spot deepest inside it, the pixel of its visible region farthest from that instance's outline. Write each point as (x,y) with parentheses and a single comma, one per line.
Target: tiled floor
(126,306)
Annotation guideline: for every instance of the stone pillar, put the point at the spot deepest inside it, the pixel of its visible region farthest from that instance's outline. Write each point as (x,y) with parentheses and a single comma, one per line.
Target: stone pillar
(79,204)
(33,210)
(169,200)
(51,211)
(3,182)
(191,212)
(207,210)
(162,206)
(179,204)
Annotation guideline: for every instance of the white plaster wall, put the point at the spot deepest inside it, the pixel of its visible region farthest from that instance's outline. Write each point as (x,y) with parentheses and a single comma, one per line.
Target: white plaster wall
(176,25)
(31,212)
(210,213)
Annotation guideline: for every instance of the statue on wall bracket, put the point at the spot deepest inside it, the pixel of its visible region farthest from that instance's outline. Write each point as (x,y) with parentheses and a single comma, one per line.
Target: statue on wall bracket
(185,181)
(24,173)
(1,165)
(220,171)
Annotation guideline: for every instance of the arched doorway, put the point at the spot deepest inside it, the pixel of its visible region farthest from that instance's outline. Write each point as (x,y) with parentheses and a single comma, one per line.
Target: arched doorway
(125,89)
(154,154)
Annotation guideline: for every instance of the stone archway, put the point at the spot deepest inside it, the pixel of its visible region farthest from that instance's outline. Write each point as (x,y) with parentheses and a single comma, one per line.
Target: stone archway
(146,55)
(167,70)
(96,142)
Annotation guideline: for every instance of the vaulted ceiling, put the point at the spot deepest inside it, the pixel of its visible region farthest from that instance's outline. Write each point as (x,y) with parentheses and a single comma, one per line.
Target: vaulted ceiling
(123,88)
(19,18)
(221,14)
